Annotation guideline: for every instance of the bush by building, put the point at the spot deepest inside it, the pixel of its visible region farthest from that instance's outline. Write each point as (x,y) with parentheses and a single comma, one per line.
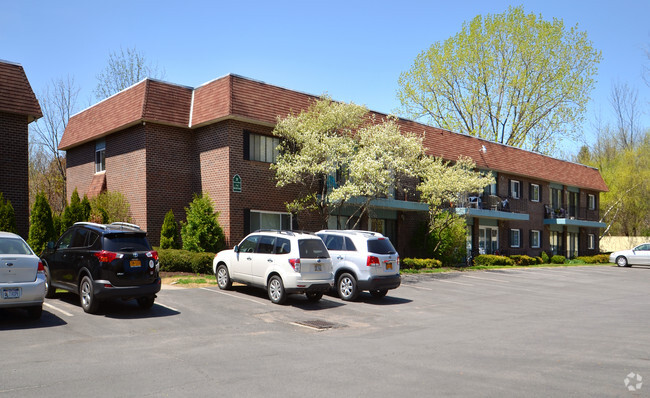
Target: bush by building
(7,216)
(202,232)
(524,260)
(557,259)
(545,258)
(185,261)
(169,238)
(491,259)
(420,263)
(41,227)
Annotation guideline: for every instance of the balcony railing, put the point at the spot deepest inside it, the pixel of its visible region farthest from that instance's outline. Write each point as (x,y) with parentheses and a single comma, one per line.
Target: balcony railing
(573,212)
(493,202)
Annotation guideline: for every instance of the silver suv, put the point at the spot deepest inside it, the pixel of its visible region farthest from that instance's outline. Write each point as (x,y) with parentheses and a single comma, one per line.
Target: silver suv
(282,262)
(362,260)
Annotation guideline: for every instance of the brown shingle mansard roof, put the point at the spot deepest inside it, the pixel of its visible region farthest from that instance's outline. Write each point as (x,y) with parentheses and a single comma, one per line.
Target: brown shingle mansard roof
(236,97)
(16,95)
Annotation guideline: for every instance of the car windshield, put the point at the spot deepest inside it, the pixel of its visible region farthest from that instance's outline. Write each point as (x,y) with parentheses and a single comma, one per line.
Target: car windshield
(126,243)
(381,246)
(312,248)
(13,246)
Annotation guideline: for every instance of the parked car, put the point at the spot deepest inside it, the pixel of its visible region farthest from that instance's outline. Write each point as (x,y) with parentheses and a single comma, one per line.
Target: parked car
(22,276)
(640,255)
(362,260)
(282,262)
(99,261)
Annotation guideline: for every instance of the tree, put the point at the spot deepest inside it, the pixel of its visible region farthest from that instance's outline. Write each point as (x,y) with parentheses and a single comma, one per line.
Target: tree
(512,78)
(169,238)
(7,216)
(202,232)
(74,212)
(109,207)
(41,228)
(124,69)
(334,152)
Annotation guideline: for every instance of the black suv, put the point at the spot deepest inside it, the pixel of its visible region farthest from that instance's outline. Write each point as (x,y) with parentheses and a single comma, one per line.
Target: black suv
(98,261)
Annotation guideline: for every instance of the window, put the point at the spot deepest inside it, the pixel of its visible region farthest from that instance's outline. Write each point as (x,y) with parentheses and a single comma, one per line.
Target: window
(282,246)
(554,241)
(591,241)
(100,156)
(592,202)
(534,193)
(248,245)
(492,188)
(556,198)
(515,189)
(515,238)
(535,239)
(269,220)
(262,148)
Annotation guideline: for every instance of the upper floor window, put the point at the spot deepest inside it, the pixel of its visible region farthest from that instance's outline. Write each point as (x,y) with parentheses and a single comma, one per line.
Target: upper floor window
(515,189)
(100,156)
(269,220)
(534,192)
(592,202)
(262,148)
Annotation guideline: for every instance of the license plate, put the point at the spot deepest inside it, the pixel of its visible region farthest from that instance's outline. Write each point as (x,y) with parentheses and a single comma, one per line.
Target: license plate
(318,268)
(135,263)
(11,293)
(389,266)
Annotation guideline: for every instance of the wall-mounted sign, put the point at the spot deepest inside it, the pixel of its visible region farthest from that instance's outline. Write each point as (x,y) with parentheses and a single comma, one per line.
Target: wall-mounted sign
(236,183)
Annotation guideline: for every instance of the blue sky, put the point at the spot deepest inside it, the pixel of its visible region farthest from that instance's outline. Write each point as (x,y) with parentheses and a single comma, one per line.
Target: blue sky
(353,50)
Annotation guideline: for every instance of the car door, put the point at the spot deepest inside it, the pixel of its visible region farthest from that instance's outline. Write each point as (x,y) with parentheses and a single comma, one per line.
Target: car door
(642,254)
(240,266)
(335,246)
(263,259)
(61,264)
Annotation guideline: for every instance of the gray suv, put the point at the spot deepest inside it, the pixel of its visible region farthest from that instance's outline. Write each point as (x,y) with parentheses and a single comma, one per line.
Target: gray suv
(362,260)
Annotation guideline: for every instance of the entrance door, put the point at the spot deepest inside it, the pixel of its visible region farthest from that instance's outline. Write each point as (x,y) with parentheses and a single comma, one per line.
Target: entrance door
(488,240)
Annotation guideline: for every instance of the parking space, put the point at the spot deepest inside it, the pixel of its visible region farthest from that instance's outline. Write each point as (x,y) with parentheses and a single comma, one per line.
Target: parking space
(535,332)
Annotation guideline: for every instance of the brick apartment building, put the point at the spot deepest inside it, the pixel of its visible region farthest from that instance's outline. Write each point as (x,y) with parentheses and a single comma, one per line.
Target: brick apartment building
(18,108)
(158,143)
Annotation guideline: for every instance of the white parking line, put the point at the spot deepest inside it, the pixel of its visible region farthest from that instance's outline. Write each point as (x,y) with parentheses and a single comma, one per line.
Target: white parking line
(232,295)
(485,279)
(50,306)
(418,287)
(166,306)
(457,283)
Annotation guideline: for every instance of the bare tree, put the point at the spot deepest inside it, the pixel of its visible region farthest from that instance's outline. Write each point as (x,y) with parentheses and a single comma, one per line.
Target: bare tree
(624,101)
(124,69)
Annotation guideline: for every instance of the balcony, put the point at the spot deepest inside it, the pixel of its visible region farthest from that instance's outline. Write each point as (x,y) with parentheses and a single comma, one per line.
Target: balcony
(492,207)
(574,215)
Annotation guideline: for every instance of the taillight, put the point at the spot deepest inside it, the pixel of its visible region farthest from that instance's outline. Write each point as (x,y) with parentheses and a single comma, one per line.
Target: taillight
(41,268)
(372,261)
(106,256)
(295,263)
(398,260)
(153,254)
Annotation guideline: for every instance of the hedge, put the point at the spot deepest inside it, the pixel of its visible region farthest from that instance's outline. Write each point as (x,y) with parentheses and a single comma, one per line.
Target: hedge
(491,259)
(419,263)
(185,261)
(525,260)
(557,259)
(597,259)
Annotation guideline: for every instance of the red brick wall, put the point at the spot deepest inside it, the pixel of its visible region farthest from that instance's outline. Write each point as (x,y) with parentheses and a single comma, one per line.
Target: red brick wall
(80,168)
(14,167)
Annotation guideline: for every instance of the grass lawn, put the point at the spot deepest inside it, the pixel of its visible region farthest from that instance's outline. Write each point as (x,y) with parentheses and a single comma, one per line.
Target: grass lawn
(484,267)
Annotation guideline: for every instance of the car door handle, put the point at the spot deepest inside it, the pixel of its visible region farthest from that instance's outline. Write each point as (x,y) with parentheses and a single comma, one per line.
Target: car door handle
(248,258)
(9,264)
(339,257)
(270,260)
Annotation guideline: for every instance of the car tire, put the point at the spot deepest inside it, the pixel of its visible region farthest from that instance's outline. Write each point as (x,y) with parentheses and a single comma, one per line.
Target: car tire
(146,302)
(346,286)
(621,261)
(87,296)
(314,296)
(378,293)
(276,290)
(223,278)
(34,312)
(49,289)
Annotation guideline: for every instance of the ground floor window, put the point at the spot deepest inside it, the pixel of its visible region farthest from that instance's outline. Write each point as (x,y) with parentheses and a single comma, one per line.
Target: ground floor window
(572,244)
(385,227)
(488,240)
(269,220)
(515,238)
(554,239)
(535,239)
(591,241)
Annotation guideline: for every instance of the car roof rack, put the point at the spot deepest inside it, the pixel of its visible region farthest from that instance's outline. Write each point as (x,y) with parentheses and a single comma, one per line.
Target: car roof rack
(124,224)
(352,232)
(292,232)
(92,224)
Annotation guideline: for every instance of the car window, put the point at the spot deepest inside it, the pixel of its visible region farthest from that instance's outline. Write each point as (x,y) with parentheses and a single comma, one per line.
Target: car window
(126,243)
(93,241)
(79,238)
(643,247)
(266,245)
(66,239)
(349,246)
(13,246)
(312,248)
(248,244)
(333,242)
(282,246)
(381,246)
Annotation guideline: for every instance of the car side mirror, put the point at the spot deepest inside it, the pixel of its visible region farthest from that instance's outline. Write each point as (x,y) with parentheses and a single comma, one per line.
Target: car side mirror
(236,249)
(50,245)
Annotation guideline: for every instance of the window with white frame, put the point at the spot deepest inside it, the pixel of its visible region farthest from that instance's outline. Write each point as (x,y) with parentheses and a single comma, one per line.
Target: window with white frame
(534,192)
(100,156)
(269,220)
(515,238)
(591,241)
(262,148)
(592,202)
(535,238)
(515,189)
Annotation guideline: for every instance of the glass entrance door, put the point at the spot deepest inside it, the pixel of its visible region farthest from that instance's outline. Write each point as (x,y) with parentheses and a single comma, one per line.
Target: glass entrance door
(488,240)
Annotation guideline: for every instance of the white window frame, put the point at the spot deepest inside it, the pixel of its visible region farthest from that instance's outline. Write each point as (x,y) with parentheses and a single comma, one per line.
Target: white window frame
(513,233)
(100,156)
(261,213)
(536,197)
(263,148)
(591,241)
(538,233)
(591,201)
(515,193)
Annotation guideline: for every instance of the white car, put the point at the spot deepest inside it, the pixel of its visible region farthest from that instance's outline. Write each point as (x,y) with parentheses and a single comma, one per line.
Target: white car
(22,276)
(362,260)
(282,262)
(640,255)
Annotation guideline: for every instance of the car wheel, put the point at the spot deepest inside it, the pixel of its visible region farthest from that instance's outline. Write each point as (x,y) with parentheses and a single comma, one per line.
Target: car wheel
(35,312)
(146,302)
(49,289)
(378,293)
(223,279)
(347,287)
(87,296)
(276,290)
(622,261)
(314,296)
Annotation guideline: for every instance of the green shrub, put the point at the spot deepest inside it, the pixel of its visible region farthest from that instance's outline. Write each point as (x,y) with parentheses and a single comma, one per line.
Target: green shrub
(523,260)
(557,259)
(420,263)
(202,232)
(41,227)
(545,258)
(7,216)
(597,259)
(491,259)
(109,207)
(539,260)
(576,261)
(169,238)
(74,212)
(172,260)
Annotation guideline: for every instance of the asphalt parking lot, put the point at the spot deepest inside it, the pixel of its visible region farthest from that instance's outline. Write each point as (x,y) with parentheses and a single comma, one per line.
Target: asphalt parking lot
(539,332)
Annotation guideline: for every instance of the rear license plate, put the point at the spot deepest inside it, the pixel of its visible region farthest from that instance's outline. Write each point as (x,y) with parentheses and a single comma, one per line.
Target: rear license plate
(389,266)
(11,293)
(135,263)
(318,268)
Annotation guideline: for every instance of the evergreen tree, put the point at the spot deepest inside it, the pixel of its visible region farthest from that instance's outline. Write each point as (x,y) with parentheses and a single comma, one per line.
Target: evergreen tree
(41,229)
(85,205)
(202,232)
(169,238)
(7,216)
(74,212)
